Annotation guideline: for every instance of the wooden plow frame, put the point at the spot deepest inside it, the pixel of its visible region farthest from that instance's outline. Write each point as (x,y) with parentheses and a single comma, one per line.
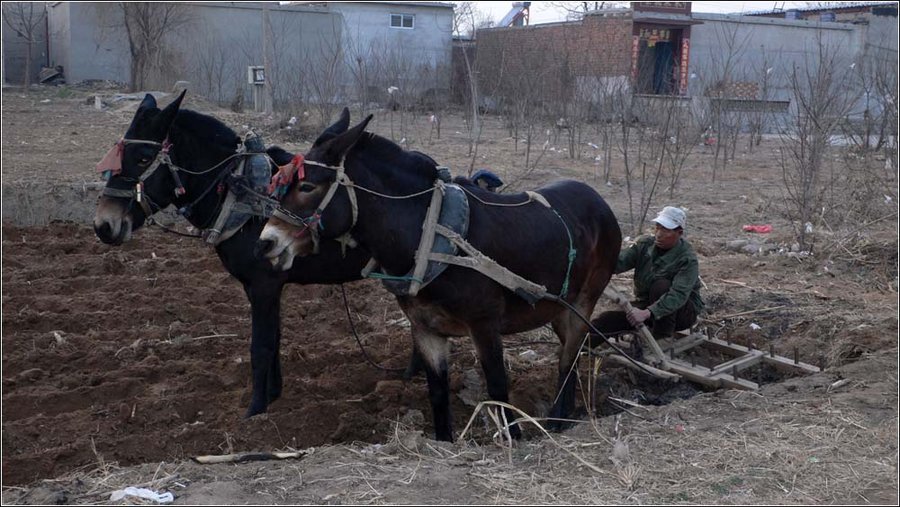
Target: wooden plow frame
(722,375)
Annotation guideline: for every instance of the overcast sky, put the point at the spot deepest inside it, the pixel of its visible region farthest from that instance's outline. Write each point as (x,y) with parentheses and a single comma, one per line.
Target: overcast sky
(544,12)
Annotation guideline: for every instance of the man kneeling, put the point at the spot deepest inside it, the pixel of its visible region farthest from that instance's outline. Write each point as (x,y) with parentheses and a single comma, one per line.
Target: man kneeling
(666,281)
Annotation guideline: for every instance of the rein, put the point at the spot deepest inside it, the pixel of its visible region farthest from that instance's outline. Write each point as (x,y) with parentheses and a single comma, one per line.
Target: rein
(341,178)
(137,193)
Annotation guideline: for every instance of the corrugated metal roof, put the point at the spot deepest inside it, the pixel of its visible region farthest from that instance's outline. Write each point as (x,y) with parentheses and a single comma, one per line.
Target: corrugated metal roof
(834,7)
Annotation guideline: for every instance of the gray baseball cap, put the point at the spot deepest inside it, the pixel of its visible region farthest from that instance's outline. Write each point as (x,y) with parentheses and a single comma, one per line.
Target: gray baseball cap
(671,218)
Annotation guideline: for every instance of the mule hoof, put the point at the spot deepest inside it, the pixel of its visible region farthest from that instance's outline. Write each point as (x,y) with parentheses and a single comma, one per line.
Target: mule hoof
(559,426)
(254,410)
(444,437)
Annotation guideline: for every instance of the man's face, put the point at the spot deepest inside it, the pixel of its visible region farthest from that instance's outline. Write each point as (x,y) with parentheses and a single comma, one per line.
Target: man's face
(667,238)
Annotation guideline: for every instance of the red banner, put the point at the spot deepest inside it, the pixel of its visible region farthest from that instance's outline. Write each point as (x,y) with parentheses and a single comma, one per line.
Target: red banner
(685,52)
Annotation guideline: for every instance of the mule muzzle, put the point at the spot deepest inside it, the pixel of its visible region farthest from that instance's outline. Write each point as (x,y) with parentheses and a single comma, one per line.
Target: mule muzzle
(112,236)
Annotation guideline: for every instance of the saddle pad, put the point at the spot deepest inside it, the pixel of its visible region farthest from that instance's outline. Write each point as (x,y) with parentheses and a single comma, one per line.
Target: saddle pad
(455,216)
(256,174)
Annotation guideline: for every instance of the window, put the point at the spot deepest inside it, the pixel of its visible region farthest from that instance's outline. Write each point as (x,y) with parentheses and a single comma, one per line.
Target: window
(402,20)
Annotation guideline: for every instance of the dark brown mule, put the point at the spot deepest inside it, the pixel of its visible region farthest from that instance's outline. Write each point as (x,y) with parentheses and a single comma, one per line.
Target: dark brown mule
(530,240)
(200,142)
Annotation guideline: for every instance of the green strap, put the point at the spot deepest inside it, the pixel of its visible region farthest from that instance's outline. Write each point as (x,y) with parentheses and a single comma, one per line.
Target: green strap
(572,254)
(383,276)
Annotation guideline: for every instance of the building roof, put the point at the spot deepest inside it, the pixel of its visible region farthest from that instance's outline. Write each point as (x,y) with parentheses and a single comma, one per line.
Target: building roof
(834,6)
(443,5)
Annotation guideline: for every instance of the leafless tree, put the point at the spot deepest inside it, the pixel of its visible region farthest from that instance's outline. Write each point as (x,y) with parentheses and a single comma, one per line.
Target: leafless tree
(148,26)
(870,129)
(886,85)
(577,10)
(758,119)
(465,15)
(823,92)
(217,66)
(718,80)
(643,147)
(324,72)
(26,19)
(684,136)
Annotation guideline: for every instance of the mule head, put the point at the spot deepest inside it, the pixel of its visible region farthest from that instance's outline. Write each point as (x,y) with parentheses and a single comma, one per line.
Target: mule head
(314,205)
(130,195)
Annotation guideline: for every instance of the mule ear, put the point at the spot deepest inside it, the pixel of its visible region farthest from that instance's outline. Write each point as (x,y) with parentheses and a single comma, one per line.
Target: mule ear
(167,115)
(148,103)
(340,145)
(339,127)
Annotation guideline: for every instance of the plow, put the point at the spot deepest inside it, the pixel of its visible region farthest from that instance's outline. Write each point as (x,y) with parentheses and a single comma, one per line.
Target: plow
(676,358)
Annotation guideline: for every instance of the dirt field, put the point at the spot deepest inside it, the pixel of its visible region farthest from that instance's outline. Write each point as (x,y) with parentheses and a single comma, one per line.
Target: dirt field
(120,364)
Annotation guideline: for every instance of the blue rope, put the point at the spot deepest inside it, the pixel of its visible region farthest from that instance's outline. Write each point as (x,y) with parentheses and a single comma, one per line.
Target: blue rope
(572,254)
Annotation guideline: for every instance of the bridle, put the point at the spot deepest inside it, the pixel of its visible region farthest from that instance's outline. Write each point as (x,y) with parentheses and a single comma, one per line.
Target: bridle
(137,193)
(313,223)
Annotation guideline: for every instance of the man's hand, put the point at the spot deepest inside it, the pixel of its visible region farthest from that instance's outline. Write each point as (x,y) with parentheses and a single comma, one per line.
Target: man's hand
(637,316)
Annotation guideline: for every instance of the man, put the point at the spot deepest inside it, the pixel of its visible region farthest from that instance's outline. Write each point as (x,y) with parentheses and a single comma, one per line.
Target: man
(666,281)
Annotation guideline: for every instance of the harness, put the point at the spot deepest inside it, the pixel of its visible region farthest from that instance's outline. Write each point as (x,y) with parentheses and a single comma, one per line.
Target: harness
(245,183)
(443,235)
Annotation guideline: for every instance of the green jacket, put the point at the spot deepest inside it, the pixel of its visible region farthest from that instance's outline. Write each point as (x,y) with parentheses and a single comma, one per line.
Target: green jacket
(679,264)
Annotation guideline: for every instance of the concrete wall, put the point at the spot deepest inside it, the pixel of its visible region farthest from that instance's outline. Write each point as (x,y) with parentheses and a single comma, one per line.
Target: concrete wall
(758,44)
(98,46)
(218,41)
(14,49)
(412,59)
(228,37)
(60,34)
(767,50)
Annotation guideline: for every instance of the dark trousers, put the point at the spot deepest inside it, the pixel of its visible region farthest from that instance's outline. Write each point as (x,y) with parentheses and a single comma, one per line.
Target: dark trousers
(615,322)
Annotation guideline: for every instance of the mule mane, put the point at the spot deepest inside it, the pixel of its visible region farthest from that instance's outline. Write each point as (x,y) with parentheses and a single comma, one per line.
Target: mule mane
(204,129)
(394,154)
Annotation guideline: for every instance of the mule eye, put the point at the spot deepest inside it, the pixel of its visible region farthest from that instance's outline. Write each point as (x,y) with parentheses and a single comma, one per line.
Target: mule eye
(144,161)
(306,187)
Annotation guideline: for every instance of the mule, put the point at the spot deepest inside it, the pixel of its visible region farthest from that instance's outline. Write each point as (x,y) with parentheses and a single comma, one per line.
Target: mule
(195,143)
(528,238)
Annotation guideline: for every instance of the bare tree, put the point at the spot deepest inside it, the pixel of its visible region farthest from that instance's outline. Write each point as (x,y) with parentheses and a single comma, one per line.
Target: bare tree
(718,81)
(26,19)
(577,10)
(645,148)
(758,119)
(824,95)
(465,15)
(324,77)
(148,24)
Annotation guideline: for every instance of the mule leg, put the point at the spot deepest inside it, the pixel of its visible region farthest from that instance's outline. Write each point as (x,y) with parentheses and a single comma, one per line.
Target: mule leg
(434,350)
(489,345)
(265,345)
(416,364)
(571,331)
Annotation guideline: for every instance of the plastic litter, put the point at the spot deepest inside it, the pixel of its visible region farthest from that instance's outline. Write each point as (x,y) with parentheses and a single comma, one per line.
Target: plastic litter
(755,326)
(762,229)
(149,494)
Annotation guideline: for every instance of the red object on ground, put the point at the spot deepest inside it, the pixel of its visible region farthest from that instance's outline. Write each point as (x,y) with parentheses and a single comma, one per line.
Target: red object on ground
(762,229)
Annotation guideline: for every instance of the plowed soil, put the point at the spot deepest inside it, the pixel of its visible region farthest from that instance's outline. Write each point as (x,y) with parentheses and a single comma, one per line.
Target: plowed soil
(120,363)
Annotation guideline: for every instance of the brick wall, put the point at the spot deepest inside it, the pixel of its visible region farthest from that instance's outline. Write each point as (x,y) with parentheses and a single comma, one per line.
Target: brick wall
(734,90)
(554,57)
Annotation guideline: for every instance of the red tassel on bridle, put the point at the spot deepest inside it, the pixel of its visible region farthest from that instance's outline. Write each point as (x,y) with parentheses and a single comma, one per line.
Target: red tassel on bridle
(285,175)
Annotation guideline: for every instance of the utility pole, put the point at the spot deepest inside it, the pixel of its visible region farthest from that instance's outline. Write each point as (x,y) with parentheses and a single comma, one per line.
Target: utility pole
(267,36)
